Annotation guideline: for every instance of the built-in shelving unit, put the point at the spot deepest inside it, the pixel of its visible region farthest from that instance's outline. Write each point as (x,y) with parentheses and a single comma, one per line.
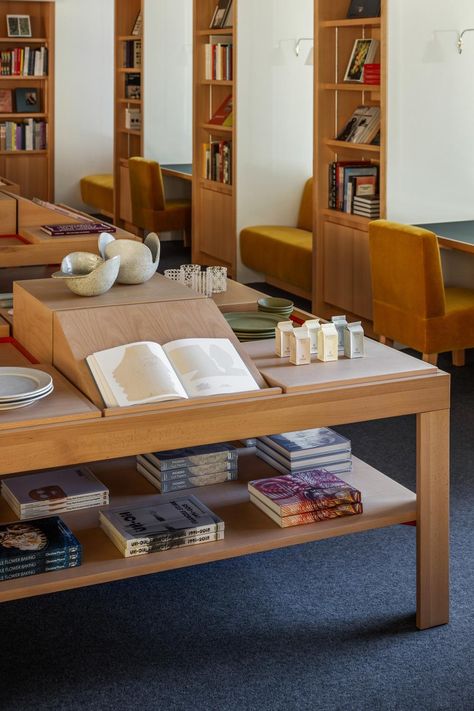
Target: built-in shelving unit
(129,84)
(214,221)
(342,280)
(27,138)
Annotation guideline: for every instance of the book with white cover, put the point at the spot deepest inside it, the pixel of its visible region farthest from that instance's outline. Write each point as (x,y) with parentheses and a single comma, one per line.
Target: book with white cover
(312,461)
(52,489)
(302,443)
(344,465)
(145,372)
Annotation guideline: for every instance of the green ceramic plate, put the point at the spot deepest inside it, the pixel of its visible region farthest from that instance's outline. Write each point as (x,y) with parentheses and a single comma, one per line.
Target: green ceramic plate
(251,322)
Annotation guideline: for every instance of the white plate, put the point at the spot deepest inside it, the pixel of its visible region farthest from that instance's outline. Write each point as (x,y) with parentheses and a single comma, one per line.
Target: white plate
(21,383)
(30,398)
(23,403)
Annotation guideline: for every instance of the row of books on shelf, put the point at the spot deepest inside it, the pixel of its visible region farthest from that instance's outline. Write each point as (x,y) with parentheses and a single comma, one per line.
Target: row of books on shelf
(223,15)
(132,54)
(26,135)
(24,62)
(133,119)
(307,491)
(218,59)
(20,100)
(353,185)
(217,161)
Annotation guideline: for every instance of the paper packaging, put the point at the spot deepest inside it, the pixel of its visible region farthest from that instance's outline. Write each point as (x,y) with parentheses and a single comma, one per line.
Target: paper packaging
(300,346)
(283,332)
(340,323)
(313,327)
(327,342)
(354,340)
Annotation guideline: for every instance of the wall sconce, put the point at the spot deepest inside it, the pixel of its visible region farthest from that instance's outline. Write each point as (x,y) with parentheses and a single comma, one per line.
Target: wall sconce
(460,41)
(309,58)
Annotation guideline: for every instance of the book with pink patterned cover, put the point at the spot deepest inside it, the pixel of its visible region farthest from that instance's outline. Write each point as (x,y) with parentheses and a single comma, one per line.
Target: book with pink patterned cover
(305,491)
(309,516)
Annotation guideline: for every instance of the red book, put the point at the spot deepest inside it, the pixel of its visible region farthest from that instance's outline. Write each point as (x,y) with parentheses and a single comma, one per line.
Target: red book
(223,115)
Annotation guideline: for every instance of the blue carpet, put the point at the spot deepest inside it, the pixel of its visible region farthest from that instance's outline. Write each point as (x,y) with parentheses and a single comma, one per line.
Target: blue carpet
(329,625)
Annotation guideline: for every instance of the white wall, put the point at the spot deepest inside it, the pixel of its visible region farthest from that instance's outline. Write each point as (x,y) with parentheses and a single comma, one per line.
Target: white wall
(430,128)
(84,93)
(275,112)
(168,80)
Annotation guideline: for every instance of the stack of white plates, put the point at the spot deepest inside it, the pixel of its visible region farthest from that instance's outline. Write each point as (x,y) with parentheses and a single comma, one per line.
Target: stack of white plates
(20,387)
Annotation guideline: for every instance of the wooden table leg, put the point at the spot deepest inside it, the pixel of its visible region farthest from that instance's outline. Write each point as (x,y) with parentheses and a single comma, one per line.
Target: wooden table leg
(432,494)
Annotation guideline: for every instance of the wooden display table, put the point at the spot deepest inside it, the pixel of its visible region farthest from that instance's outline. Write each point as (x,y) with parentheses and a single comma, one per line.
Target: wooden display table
(398,386)
(34,247)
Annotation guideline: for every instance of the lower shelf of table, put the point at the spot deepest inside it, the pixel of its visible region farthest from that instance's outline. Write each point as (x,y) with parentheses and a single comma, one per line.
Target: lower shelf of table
(248,530)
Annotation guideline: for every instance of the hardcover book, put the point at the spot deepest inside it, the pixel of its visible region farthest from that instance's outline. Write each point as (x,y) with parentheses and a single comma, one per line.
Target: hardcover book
(344,465)
(363,52)
(42,538)
(145,372)
(303,491)
(311,462)
(362,126)
(303,443)
(220,13)
(223,115)
(310,516)
(27,100)
(79,228)
(363,8)
(148,523)
(193,456)
(6,104)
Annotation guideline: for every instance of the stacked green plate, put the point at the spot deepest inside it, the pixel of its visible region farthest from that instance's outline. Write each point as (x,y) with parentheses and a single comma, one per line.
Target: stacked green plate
(273,305)
(252,325)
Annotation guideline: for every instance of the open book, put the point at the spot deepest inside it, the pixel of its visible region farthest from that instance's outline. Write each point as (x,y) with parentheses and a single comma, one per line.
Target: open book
(144,372)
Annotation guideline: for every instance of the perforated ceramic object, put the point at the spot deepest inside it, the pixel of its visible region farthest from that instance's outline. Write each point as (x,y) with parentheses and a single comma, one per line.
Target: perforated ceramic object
(87,274)
(138,262)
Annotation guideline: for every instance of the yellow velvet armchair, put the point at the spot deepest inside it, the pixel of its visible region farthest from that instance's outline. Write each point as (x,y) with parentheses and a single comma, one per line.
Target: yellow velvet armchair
(150,209)
(283,254)
(410,303)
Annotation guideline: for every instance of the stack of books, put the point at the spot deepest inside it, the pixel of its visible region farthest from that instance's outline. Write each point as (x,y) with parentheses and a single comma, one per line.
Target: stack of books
(362,126)
(350,179)
(39,546)
(371,74)
(305,497)
(307,449)
(53,492)
(367,206)
(150,528)
(184,468)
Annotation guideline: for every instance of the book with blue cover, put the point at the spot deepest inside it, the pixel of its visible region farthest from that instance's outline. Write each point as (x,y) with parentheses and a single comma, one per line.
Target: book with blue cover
(193,456)
(313,461)
(47,541)
(303,443)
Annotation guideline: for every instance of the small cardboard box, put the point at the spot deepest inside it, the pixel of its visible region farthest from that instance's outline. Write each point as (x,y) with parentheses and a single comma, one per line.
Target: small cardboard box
(354,340)
(313,326)
(300,346)
(327,342)
(283,332)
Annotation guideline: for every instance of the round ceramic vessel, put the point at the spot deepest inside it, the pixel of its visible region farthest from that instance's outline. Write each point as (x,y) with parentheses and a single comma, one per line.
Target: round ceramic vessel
(87,274)
(138,262)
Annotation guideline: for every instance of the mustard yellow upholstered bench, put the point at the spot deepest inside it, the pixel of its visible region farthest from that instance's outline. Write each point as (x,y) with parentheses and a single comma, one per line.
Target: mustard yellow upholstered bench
(283,254)
(98,191)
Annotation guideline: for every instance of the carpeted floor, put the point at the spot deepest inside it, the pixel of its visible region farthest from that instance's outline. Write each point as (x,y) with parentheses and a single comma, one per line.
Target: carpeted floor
(326,626)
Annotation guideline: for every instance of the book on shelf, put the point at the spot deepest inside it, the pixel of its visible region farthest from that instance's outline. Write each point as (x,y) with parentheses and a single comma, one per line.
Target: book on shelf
(218,59)
(53,492)
(363,8)
(372,74)
(336,180)
(79,228)
(303,443)
(362,126)
(146,372)
(24,61)
(186,480)
(6,101)
(161,525)
(37,546)
(202,455)
(336,467)
(363,52)
(343,178)
(348,183)
(309,516)
(223,15)
(311,461)
(217,161)
(27,100)
(367,206)
(133,85)
(23,135)
(133,119)
(137,28)
(223,115)
(132,54)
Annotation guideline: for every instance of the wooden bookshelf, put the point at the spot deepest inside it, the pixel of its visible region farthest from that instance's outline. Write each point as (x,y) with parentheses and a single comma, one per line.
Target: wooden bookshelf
(341,267)
(127,142)
(33,170)
(214,201)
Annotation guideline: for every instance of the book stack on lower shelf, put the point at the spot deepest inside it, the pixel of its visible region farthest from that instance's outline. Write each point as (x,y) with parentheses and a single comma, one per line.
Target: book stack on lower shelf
(38,546)
(53,492)
(304,450)
(185,468)
(155,527)
(305,497)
